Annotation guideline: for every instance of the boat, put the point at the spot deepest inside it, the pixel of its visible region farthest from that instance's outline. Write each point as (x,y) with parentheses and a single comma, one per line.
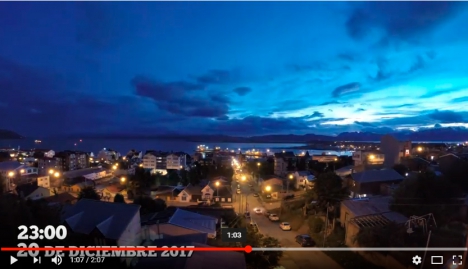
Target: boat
(37,141)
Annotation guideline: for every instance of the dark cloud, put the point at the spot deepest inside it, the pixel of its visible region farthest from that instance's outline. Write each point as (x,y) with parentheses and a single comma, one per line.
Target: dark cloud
(437,125)
(255,125)
(431,94)
(330,103)
(216,76)
(378,130)
(399,106)
(447,116)
(360,110)
(364,123)
(241,91)
(346,89)
(317,114)
(403,20)
(182,98)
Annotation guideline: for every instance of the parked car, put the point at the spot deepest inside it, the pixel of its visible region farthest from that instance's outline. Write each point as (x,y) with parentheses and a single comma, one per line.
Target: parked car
(288,196)
(258,211)
(255,195)
(238,191)
(268,196)
(273,217)
(285,226)
(250,185)
(305,240)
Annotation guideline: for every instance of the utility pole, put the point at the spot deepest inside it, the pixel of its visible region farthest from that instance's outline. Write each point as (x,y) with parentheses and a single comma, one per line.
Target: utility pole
(326,226)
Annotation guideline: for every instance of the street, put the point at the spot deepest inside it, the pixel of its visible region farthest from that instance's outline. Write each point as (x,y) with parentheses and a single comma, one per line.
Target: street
(290,259)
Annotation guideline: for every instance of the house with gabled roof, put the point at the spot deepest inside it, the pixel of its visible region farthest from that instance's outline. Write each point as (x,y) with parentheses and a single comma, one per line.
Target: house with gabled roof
(191,193)
(372,182)
(103,223)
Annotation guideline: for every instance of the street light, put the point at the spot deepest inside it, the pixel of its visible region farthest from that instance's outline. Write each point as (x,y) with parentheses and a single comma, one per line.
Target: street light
(22,171)
(122,179)
(11,174)
(243,178)
(114,167)
(51,171)
(56,174)
(268,188)
(217,191)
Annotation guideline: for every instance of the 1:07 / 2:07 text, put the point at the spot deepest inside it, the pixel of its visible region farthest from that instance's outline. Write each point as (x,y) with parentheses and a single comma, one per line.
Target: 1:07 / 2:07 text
(87,259)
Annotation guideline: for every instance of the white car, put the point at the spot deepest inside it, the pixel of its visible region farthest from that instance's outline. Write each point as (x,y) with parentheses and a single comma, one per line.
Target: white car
(258,211)
(273,217)
(285,226)
(238,191)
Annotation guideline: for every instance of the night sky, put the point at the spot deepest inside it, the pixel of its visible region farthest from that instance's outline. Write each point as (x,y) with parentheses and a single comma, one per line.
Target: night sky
(239,68)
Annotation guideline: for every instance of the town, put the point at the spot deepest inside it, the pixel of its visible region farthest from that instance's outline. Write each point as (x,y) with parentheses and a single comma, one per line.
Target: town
(402,195)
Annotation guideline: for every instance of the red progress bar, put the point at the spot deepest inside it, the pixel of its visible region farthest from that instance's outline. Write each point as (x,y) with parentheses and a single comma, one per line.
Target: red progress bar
(246,249)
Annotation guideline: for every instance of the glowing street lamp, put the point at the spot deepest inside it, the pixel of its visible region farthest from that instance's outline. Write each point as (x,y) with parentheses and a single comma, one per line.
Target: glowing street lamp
(123,179)
(268,188)
(217,190)
(51,171)
(22,171)
(114,167)
(243,178)
(56,174)
(11,174)
(420,149)
(372,157)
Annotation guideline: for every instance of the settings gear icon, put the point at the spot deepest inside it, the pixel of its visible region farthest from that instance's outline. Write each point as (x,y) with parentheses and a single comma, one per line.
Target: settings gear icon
(417,260)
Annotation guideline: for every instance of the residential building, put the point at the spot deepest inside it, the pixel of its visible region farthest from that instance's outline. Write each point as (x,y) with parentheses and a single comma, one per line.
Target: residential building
(32,191)
(191,193)
(221,193)
(77,187)
(345,171)
(325,158)
(108,155)
(372,182)
(110,191)
(25,170)
(43,153)
(45,164)
(194,221)
(155,162)
(282,161)
(103,224)
(88,173)
(356,214)
(61,199)
(367,159)
(394,150)
(72,160)
(176,161)
(43,181)
(167,193)
(303,179)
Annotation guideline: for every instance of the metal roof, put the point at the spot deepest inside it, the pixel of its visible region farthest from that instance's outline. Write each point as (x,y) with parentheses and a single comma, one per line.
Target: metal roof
(377,176)
(111,219)
(194,221)
(10,165)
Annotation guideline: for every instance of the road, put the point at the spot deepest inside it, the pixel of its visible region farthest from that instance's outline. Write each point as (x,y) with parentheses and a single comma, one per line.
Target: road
(290,259)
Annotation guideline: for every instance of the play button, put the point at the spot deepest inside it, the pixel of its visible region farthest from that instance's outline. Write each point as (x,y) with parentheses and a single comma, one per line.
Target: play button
(13,260)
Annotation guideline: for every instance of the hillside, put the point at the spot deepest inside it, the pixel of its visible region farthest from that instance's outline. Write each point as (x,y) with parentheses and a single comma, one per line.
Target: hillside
(6,134)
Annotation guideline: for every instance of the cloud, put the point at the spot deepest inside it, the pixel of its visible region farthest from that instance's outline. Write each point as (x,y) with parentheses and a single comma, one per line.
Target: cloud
(182,98)
(447,116)
(241,91)
(317,114)
(360,110)
(346,89)
(330,103)
(399,106)
(460,99)
(401,20)
(216,76)
(364,123)
(255,125)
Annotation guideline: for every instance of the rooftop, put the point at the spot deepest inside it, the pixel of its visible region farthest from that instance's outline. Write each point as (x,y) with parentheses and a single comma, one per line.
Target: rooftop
(26,189)
(194,221)
(377,176)
(83,172)
(62,198)
(111,219)
(191,189)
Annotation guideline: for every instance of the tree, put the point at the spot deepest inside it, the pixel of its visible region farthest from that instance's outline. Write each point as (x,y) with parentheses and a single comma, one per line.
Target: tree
(119,198)
(290,166)
(425,194)
(89,193)
(184,177)
(316,225)
(173,178)
(401,169)
(302,164)
(262,260)
(3,184)
(148,205)
(329,190)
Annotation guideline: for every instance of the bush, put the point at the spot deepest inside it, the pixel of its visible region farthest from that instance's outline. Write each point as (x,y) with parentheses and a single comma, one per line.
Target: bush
(316,225)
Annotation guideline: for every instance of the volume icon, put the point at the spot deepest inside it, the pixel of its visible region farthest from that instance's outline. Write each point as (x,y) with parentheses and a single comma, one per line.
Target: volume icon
(57,260)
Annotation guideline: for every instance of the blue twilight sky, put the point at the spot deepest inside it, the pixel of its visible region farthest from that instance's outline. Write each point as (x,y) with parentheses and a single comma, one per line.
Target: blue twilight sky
(237,68)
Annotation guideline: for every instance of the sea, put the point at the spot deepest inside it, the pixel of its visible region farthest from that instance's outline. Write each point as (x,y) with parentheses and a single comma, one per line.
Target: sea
(124,145)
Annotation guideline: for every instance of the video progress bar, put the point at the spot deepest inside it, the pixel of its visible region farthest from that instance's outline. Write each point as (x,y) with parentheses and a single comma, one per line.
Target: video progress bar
(358,249)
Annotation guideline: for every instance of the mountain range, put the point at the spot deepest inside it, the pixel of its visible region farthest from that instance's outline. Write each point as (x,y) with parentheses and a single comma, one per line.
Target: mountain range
(6,134)
(450,134)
